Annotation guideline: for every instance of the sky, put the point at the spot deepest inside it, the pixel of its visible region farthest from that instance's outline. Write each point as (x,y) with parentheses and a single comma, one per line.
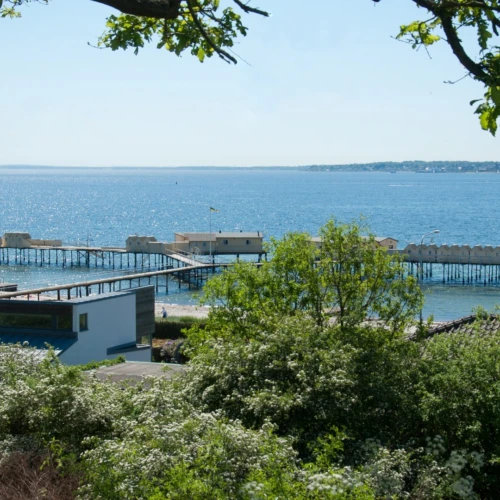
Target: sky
(321,82)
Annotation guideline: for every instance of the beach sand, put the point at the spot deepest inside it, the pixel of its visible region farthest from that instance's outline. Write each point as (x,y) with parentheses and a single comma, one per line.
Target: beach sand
(172,309)
(180,310)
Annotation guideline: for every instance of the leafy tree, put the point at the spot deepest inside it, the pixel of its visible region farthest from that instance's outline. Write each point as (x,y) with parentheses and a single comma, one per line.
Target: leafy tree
(205,28)
(202,26)
(451,20)
(289,341)
(347,279)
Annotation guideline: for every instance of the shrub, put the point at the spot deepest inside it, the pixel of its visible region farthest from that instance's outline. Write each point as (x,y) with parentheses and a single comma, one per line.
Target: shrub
(174,328)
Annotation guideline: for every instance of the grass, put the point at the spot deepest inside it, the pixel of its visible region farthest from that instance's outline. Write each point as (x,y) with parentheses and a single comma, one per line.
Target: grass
(93,365)
(182,319)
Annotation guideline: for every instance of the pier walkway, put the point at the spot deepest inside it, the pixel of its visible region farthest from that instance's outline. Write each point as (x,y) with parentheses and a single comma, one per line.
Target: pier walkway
(192,275)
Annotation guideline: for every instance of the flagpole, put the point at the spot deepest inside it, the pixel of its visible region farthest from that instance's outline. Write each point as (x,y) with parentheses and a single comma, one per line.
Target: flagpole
(210,233)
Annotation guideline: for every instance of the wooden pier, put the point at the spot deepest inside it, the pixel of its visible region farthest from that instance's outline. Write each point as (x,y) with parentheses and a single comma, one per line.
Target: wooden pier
(193,275)
(453,264)
(92,257)
(456,274)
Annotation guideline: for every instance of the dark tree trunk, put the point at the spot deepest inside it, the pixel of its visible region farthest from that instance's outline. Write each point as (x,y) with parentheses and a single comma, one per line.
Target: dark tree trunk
(159,9)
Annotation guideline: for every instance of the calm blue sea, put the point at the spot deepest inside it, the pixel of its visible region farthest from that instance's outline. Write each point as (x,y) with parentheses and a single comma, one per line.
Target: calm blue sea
(104,206)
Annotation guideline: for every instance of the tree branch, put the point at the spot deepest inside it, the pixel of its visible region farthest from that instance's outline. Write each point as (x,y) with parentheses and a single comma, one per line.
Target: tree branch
(442,12)
(252,10)
(473,4)
(222,53)
(457,48)
(157,9)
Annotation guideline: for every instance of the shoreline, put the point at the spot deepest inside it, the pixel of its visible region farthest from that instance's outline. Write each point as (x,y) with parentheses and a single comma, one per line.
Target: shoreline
(181,310)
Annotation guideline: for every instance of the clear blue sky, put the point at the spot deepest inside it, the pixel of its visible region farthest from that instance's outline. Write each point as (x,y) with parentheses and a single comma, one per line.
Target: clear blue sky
(325,84)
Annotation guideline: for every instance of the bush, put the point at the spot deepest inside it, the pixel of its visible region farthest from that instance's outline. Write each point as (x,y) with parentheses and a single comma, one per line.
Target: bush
(171,352)
(28,476)
(174,328)
(296,375)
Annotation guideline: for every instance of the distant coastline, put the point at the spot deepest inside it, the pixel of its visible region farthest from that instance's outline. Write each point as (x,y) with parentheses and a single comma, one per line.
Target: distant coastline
(413,166)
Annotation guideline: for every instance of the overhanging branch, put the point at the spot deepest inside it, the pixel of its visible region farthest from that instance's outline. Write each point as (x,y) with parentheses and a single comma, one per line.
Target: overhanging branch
(222,53)
(157,9)
(443,13)
(249,10)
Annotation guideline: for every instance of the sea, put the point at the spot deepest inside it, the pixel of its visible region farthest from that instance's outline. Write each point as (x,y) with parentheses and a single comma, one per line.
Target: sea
(103,206)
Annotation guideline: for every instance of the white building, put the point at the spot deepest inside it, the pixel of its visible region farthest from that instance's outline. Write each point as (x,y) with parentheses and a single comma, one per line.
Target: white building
(84,329)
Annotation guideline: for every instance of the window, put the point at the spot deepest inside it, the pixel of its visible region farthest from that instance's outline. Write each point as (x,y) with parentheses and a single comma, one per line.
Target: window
(225,242)
(65,322)
(84,322)
(248,242)
(38,321)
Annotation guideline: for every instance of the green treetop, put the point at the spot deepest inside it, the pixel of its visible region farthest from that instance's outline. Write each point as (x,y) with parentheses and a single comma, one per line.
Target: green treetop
(345,279)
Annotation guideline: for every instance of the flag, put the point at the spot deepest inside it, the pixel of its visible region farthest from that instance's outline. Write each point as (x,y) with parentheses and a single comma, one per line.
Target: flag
(213,209)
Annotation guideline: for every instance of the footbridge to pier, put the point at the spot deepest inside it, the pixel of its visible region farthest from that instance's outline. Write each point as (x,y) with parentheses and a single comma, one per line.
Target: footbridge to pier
(192,275)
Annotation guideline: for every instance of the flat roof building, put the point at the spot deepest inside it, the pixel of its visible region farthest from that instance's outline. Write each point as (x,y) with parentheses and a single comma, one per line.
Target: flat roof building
(222,242)
(84,329)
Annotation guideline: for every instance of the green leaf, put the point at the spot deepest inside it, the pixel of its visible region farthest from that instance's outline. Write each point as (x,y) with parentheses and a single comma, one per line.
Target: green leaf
(484,119)
(495,95)
(201,54)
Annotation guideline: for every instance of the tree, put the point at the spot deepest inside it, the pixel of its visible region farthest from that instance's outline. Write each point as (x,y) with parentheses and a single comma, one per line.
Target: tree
(177,25)
(295,325)
(205,28)
(451,20)
(348,279)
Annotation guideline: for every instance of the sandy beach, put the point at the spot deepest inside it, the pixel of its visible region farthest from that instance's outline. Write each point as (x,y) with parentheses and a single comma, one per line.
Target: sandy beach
(180,310)
(172,309)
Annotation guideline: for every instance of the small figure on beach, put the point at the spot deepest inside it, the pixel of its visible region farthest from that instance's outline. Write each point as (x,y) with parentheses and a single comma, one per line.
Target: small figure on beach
(163,312)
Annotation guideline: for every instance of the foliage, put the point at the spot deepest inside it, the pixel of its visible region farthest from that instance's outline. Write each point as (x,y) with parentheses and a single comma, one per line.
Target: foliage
(174,327)
(204,28)
(171,352)
(348,279)
(280,401)
(301,388)
(295,375)
(46,401)
(93,365)
(452,21)
(459,391)
(200,26)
